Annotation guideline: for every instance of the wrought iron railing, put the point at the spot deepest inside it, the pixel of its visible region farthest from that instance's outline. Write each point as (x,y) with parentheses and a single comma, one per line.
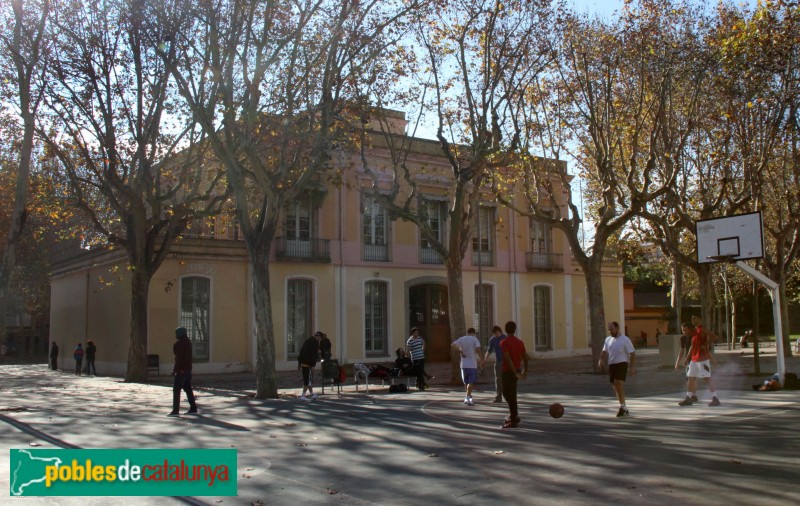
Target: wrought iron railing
(544,261)
(430,256)
(303,250)
(376,253)
(482,258)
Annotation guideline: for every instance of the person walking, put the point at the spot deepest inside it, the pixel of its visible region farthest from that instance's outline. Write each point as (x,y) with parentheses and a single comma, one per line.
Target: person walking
(699,362)
(182,370)
(470,349)
(416,350)
(77,354)
(306,360)
(686,345)
(494,347)
(54,356)
(515,368)
(619,353)
(91,350)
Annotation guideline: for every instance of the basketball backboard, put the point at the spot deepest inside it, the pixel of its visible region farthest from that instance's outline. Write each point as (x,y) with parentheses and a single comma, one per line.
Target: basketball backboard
(738,237)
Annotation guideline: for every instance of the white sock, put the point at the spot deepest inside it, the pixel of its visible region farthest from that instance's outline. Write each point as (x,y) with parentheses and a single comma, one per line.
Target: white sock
(689,394)
(713,394)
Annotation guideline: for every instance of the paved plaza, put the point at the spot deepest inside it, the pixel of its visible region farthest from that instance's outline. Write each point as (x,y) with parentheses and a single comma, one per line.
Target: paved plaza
(428,447)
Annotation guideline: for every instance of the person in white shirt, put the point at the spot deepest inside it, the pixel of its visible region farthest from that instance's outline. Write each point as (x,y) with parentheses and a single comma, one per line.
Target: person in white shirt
(621,356)
(470,349)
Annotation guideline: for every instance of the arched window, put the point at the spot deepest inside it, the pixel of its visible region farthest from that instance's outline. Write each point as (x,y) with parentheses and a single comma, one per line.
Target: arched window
(195,314)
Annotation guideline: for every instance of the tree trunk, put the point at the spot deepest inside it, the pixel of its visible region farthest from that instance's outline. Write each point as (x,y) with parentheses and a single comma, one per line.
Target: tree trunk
(266,378)
(19,212)
(676,298)
(707,294)
(455,302)
(597,314)
(137,348)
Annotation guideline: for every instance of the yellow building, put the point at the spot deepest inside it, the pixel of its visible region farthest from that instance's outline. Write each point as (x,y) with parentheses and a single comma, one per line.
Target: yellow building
(342,265)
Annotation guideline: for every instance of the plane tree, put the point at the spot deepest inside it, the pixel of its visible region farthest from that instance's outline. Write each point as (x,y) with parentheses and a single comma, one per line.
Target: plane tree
(619,101)
(761,56)
(272,85)
(135,162)
(23,45)
(474,60)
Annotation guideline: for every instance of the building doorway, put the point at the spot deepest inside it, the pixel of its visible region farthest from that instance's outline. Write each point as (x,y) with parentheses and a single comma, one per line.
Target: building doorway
(429,312)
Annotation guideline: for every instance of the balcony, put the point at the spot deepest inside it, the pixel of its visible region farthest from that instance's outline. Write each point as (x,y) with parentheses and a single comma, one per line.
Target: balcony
(544,261)
(483,258)
(376,253)
(303,250)
(430,256)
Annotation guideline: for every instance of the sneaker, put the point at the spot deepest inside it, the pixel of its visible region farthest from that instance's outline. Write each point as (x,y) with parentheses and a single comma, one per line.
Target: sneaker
(510,424)
(466,401)
(192,412)
(313,397)
(497,399)
(686,402)
(623,411)
(694,398)
(173,414)
(714,402)
(304,398)
(470,402)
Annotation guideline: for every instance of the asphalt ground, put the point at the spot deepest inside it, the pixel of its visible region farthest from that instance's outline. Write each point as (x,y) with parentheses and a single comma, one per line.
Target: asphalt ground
(428,447)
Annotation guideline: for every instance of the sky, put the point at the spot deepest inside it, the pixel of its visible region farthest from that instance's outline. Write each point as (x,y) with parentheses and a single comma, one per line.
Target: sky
(608,7)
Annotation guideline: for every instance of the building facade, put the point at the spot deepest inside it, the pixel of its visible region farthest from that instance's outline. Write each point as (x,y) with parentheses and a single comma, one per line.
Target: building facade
(344,265)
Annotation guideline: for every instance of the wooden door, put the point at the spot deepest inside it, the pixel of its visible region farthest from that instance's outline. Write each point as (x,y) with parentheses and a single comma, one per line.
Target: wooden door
(429,312)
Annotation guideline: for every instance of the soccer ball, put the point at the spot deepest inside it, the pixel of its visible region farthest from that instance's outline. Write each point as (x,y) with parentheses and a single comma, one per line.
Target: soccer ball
(556,410)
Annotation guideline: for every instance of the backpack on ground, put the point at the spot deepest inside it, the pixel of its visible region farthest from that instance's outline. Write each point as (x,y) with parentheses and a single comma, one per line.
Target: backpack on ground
(399,388)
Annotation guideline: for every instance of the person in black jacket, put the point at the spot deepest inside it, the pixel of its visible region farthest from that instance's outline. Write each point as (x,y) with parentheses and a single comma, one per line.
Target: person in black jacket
(91,349)
(182,372)
(306,360)
(403,364)
(53,356)
(325,347)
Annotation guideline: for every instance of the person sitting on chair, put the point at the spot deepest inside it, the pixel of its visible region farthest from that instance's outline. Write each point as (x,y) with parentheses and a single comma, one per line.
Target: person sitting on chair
(403,363)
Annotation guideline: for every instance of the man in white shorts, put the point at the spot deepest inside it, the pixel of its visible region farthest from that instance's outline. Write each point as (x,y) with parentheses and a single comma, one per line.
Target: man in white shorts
(470,349)
(700,365)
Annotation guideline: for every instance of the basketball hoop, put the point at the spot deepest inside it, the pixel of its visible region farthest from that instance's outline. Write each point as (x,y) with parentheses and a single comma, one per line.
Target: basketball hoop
(722,258)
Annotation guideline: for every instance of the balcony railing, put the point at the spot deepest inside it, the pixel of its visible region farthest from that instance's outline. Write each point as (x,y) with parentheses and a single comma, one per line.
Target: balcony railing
(376,253)
(544,261)
(430,256)
(303,250)
(482,258)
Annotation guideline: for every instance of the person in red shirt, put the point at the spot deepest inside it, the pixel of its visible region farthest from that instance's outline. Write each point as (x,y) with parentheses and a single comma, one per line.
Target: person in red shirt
(515,367)
(700,365)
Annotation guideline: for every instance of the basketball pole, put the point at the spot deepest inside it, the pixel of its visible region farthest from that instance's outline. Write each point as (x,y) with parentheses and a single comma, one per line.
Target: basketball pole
(776,314)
